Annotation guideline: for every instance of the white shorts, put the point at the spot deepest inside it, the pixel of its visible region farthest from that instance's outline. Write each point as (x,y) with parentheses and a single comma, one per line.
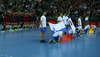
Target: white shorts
(79,28)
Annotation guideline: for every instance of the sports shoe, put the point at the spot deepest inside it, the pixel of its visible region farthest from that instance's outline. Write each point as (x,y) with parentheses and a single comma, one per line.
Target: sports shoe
(50,41)
(20,29)
(11,30)
(3,31)
(16,29)
(81,35)
(43,41)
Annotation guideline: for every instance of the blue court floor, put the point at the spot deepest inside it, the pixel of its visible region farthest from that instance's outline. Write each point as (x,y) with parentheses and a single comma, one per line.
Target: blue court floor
(26,44)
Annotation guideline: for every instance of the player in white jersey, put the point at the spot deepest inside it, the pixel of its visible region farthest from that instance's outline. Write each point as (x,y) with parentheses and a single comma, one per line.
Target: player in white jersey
(79,23)
(65,19)
(87,28)
(73,29)
(60,18)
(79,30)
(57,36)
(43,27)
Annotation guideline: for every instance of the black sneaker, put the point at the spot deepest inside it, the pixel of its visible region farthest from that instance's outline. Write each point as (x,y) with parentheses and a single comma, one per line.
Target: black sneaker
(50,41)
(43,41)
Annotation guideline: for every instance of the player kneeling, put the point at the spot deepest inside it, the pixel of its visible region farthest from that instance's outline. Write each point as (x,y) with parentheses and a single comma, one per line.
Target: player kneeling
(57,37)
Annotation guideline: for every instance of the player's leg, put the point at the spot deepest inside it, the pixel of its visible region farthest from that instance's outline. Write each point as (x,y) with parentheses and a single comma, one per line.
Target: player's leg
(81,31)
(42,35)
(50,41)
(59,40)
(3,28)
(74,32)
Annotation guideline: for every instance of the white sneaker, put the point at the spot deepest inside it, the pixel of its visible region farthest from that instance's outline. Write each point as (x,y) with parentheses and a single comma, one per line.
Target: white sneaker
(50,41)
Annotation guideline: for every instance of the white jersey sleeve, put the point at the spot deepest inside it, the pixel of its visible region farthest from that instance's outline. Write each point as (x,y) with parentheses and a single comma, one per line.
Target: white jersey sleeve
(58,33)
(43,19)
(59,18)
(79,21)
(64,19)
(87,27)
(67,21)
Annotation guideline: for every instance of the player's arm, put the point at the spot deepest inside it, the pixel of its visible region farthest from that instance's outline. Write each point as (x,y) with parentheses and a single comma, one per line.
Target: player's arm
(59,20)
(78,23)
(67,19)
(41,24)
(88,29)
(59,40)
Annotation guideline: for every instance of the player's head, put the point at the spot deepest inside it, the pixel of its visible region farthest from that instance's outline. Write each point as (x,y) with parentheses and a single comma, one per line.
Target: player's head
(79,16)
(64,33)
(61,14)
(64,14)
(67,14)
(87,16)
(44,13)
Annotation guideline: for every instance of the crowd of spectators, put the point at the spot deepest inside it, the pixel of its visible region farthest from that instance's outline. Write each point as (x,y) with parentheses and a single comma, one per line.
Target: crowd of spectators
(26,6)
(76,8)
(73,7)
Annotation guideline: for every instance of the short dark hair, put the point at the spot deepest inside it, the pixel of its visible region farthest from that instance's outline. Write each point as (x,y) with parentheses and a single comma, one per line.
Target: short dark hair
(64,32)
(44,11)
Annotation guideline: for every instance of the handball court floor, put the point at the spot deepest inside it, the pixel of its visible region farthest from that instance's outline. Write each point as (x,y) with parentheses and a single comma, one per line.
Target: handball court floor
(26,43)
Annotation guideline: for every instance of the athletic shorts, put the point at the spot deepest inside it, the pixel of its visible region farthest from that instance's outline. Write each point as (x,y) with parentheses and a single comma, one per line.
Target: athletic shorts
(44,29)
(86,30)
(79,27)
(78,32)
(56,38)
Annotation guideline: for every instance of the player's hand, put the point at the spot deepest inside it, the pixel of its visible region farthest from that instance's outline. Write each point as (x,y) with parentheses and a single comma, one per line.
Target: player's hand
(42,28)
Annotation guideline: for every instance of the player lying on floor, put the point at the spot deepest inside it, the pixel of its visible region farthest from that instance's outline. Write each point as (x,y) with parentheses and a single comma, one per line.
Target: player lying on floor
(57,37)
(87,28)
